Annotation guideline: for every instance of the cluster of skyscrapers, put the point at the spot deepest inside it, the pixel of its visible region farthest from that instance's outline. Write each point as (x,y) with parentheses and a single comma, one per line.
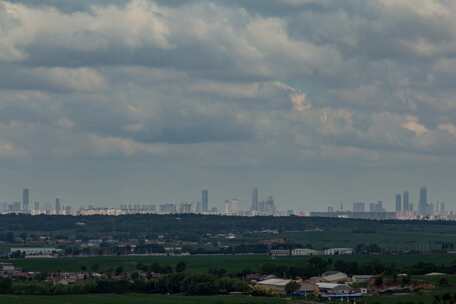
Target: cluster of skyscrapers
(424,208)
(263,207)
(199,207)
(404,208)
(24,206)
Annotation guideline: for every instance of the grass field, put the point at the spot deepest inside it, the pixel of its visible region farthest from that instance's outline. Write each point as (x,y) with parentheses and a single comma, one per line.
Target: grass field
(203,263)
(137,299)
(392,239)
(422,298)
(425,298)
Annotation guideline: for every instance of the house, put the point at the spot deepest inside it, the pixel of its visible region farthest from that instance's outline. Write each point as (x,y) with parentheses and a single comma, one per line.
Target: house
(306,288)
(6,270)
(276,284)
(334,291)
(326,287)
(7,267)
(361,279)
(334,277)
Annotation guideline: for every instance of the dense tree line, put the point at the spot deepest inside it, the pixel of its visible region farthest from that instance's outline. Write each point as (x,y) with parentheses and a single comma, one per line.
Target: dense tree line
(316,266)
(192,226)
(174,283)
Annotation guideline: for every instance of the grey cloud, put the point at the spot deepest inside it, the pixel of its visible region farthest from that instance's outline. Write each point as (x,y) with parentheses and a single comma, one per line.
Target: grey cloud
(266,85)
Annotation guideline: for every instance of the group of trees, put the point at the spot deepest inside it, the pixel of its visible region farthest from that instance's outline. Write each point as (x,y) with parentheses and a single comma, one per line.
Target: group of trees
(317,265)
(313,267)
(173,283)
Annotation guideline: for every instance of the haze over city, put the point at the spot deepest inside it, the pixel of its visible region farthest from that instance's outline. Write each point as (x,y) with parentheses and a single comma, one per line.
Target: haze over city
(315,102)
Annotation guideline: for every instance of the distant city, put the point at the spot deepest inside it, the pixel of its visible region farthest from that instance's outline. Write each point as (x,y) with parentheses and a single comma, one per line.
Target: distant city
(404,208)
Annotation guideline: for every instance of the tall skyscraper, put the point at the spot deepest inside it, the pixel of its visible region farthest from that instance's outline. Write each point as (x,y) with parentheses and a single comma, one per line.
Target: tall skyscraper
(58,206)
(442,208)
(398,203)
(423,202)
(254,199)
(26,200)
(205,200)
(406,202)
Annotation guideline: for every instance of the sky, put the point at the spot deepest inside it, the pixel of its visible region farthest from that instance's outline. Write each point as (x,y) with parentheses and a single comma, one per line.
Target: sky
(315,102)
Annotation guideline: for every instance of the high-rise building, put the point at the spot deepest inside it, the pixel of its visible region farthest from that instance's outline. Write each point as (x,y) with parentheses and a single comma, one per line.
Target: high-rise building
(36,207)
(232,207)
(67,210)
(406,202)
(376,207)
(185,208)
(26,200)
(423,202)
(58,206)
(254,199)
(198,208)
(16,207)
(442,207)
(168,208)
(205,201)
(359,207)
(399,203)
(267,207)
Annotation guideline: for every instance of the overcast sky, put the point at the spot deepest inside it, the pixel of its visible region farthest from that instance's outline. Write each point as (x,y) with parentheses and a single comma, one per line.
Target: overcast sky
(316,102)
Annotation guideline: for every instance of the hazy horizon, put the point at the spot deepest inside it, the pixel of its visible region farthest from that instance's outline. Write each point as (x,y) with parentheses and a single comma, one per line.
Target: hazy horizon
(315,102)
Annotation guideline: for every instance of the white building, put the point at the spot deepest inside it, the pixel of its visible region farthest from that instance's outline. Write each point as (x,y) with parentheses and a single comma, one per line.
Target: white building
(275,284)
(36,251)
(334,277)
(338,251)
(305,252)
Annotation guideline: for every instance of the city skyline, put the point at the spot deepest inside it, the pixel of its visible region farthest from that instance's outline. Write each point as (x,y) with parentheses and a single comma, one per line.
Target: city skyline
(401,203)
(316,101)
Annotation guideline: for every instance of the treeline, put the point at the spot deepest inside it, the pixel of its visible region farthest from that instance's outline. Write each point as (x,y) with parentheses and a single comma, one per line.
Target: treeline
(316,266)
(175,283)
(191,227)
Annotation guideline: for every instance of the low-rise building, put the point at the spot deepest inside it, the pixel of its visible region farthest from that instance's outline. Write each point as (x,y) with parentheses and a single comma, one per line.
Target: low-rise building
(334,277)
(305,252)
(35,251)
(338,251)
(280,252)
(360,279)
(275,284)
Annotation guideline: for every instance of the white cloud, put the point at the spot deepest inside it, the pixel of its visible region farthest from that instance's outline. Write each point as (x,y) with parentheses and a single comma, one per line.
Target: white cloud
(412,124)
(139,23)
(78,79)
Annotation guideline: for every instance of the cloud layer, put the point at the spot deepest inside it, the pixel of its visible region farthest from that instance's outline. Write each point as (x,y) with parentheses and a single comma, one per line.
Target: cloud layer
(272,84)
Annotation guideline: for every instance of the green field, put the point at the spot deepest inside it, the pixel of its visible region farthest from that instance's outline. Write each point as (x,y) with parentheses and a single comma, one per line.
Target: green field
(204,263)
(137,299)
(393,238)
(425,298)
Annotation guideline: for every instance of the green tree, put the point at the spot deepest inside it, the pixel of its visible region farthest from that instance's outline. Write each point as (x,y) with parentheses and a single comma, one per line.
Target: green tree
(181,266)
(119,270)
(443,282)
(291,287)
